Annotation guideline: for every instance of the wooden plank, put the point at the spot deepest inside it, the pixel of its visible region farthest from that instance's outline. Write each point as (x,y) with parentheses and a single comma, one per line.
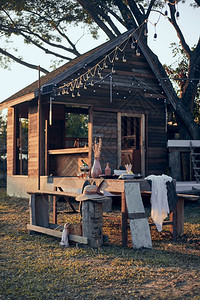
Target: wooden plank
(32,209)
(188,197)
(54,193)
(90,135)
(69,151)
(182,143)
(140,231)
(124,219)
(41,210)
(58,234)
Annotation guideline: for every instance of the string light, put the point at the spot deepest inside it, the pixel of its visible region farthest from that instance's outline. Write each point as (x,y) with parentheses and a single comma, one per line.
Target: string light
(137,51)
(113,70)
(97,69)
(133,43)
(155,34)
(124,58)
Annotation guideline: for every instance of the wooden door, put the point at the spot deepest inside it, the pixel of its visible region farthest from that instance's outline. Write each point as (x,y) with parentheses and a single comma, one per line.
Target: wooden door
(131,136)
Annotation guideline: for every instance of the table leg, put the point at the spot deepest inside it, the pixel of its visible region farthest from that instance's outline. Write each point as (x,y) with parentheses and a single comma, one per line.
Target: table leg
(124,219)
(55,208)
(180,216)
(173,227)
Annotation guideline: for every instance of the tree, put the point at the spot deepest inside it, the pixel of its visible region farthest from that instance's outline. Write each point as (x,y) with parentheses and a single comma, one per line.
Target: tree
(45,23)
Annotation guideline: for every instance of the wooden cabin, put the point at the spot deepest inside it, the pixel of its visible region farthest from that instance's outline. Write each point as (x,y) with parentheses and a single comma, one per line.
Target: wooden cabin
(113,92)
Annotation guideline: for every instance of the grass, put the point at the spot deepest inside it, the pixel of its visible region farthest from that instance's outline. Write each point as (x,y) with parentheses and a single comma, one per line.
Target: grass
(36,267)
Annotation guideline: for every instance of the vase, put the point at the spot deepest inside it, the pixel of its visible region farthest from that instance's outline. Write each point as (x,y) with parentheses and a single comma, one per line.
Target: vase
(96,168)
(107,170)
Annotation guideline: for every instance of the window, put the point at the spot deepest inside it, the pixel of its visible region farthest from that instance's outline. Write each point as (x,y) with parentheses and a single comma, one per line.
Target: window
(21,143)
(76,128)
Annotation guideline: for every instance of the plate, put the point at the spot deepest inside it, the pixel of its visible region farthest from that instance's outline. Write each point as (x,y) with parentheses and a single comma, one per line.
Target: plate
(126,176)
(130,176)
(109,176)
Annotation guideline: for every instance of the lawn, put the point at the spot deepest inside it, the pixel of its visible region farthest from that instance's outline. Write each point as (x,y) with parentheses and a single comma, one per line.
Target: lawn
(37,267)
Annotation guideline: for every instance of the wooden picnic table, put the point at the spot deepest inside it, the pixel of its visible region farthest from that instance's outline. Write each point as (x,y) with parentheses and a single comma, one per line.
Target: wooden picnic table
(72,186)
(117,186)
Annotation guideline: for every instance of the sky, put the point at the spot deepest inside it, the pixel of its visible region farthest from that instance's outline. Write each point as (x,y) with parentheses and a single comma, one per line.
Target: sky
(19,76)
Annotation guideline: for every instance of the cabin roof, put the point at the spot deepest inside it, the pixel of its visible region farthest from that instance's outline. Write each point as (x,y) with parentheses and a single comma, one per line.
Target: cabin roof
(61,73)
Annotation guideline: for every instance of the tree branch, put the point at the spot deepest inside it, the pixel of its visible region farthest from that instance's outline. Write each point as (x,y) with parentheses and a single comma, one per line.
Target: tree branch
(149,8)
(197,2)
(190,87)
(18,60)
(178,31)
(126,14)
(15,29)
(73,50)
(96,19)
(98,8)
(136,12)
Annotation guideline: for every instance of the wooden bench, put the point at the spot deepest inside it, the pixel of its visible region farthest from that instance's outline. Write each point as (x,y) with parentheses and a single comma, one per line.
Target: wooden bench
(39,214)
(176,219)
(67,194)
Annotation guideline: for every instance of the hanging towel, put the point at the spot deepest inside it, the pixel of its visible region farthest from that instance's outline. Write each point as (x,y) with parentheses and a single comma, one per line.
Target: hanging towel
(159,200)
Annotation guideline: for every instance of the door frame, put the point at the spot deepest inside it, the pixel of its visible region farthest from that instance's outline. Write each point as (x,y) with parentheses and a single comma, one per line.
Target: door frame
(142,137)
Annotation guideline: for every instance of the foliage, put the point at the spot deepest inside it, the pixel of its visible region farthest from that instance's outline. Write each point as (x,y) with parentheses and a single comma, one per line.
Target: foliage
(76,125)
(36,267)
(3,130)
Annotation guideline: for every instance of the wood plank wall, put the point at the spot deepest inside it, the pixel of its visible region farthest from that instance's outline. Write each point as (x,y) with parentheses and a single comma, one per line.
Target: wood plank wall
(33,141)
(135,90)
(10,142)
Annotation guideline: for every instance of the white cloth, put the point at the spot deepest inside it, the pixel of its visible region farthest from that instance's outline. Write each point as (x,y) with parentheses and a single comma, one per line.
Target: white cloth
(159,200)
(64,239)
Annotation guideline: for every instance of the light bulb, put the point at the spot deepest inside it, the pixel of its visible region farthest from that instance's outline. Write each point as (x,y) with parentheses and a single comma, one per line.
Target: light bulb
(116,57)
(124,59)
(177,15)
(85,87)
(73,95)
(132,45)
(78,94)
(137,52)
(166,13)
(155,36)
(146,32)
(92,83)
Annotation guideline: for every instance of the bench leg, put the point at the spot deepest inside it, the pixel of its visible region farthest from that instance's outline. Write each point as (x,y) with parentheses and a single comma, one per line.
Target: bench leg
(54,210)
